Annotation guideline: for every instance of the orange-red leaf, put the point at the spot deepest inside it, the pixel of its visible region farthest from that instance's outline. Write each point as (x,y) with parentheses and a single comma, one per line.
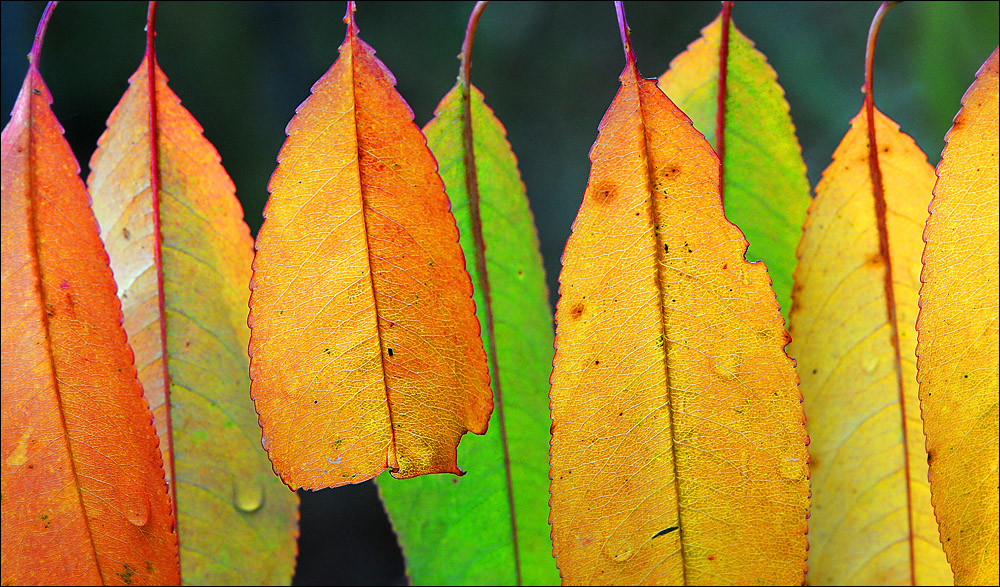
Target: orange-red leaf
(678,441)
(181,254)
(958,346)
(84,499)
(365,350)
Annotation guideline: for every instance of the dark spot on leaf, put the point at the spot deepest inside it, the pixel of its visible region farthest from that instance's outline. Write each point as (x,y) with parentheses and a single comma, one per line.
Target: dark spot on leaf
(597,361)
(126,574)
(36,91)
(602,194)
(390,351)
(815,371)
(50,310)
(711,557)
(576,312)
(874,260)
(664,531)
(520,273)
(666,248)
(670,172)
(455,480)
(126,234)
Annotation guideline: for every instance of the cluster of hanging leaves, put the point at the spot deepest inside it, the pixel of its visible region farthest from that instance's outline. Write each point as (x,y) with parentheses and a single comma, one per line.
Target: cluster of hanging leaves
(398,301)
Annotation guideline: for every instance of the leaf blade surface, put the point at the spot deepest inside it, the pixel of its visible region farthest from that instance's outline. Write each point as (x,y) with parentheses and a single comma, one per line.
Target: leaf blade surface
(764,176)
(365,351)
(957,337)
(871,519)
(459,531)
(237,523)
(678,451)
(83,494)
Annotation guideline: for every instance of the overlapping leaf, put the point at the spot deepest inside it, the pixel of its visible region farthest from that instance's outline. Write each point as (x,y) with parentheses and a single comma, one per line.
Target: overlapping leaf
(84,501)
(871,520)
(181,254)
(763,176)
(365,350)
(678,441)
(465,531)
(957,341)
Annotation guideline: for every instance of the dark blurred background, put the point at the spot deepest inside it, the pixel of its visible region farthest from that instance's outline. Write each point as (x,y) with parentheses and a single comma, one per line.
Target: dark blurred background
(548,69)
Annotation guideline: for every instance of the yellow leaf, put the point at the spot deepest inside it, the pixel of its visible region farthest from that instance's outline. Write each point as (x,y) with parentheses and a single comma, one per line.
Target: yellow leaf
(678,441)
(871,520)
(957,337)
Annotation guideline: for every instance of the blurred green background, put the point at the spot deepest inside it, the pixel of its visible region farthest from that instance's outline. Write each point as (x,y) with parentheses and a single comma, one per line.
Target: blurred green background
(548,69)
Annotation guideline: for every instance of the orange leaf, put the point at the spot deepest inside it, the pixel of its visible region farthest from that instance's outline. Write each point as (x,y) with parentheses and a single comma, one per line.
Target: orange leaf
(678,441)
(181,254)
(957,337)
(365,350)
(84,501)
(871,520)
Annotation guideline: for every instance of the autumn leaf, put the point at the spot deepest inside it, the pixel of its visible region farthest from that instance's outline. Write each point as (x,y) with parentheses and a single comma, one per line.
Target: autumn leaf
(871,516)
(84,501)
(957,341)
(181,254)
(491,526)
(678,441)
(365,350)
(854,307)
(764,183)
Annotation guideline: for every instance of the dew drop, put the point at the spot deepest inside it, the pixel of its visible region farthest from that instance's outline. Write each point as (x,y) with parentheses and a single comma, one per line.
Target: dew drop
(248,495)
(137,509)
(870,363)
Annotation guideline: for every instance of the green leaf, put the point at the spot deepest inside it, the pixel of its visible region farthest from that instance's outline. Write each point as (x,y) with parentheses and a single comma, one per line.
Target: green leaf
(765,189)
(459,530)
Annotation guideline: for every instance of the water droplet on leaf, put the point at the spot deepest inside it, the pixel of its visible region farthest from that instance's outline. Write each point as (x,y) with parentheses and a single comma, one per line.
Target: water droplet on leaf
(137,508)
(870,363)
(248,495)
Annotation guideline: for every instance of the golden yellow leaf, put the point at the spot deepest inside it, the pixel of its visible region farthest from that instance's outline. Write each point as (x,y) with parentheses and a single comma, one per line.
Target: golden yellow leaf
(957,337)
(678,439)
(871,520)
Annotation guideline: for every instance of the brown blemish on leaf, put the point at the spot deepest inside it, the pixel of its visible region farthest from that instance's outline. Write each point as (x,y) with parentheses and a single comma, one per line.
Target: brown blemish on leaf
(576,312)
(874,260)
(602,194)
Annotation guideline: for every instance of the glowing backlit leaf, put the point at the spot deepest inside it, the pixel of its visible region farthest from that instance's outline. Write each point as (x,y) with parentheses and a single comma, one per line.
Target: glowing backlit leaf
(678,441)
(84,501)
(365,350)
(181,254)
(871,520)
(957,337)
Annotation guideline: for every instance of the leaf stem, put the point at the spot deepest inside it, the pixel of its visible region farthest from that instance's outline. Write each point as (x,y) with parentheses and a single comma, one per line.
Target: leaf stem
(720,111)
(465,69)
(154,188)
(479,243)
(625,32)
(881,212)
(36,46)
